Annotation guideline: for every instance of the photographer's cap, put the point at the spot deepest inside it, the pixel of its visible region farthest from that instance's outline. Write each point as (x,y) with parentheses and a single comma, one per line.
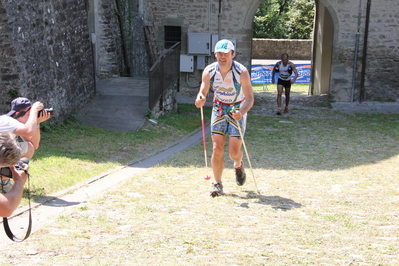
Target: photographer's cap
(224,46)
(18,104)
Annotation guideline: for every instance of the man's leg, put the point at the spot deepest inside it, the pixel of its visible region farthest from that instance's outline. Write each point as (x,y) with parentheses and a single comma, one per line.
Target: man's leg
(279,95)
(235,151)
(287,98)
(217,159)
(236,155)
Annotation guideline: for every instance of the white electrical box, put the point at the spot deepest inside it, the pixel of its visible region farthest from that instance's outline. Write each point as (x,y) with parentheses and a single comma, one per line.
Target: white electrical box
(186,63)
(199,43)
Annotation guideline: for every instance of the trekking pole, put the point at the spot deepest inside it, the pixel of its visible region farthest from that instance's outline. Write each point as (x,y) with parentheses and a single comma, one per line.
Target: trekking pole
(246,153)
(204,136)
(207,177)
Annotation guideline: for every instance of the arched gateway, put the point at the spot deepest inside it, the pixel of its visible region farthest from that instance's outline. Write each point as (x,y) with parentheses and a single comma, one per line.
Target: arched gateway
(355,47)
(323,43)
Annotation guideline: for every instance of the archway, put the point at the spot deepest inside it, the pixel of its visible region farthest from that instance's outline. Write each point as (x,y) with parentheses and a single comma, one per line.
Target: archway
(323,39)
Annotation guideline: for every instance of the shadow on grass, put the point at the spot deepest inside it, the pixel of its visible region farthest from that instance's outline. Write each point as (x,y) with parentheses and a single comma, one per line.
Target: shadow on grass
(316,138)
(277,202)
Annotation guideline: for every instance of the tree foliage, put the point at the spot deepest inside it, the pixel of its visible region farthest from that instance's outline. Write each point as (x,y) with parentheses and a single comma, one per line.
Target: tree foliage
(284,19)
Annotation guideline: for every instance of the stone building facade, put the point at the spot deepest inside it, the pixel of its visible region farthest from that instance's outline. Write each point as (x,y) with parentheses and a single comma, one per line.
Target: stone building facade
(336,68)
(54,51)
(45,54)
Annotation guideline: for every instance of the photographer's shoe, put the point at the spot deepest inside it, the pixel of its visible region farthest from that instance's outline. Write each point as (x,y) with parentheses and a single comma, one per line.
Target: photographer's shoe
(5,186)
(240,175)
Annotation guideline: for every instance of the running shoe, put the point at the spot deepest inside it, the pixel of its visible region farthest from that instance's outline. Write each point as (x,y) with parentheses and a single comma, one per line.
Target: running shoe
(240,175)
(217,190)
(286,110)
(278,112)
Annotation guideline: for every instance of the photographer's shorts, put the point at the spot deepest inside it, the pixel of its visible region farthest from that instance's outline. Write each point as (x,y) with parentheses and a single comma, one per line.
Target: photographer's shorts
(24,147)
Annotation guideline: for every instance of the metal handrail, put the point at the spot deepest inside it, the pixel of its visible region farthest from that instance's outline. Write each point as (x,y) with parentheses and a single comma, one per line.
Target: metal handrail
(163,74)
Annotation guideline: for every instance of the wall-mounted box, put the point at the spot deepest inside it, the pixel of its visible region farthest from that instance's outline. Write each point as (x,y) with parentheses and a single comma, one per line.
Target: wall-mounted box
(200,62)
(186,63)
(199,43)
(214,40)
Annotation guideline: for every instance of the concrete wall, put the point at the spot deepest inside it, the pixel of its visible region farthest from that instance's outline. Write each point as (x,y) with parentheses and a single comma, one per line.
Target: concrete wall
(45,54)
(273,49)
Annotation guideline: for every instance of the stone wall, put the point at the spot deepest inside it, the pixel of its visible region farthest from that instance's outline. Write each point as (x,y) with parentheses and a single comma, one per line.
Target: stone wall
(9,80)
(236,21)
(382,52)
(273,49)
(46,46)
(108,54)
(46,54)
(169,102)
(110,61)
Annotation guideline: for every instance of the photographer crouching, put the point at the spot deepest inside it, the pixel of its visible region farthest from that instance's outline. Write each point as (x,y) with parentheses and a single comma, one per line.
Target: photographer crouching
(10,155)
(23,121)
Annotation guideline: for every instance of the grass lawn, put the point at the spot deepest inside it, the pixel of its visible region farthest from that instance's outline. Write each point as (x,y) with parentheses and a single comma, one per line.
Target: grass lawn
(329,191)
(72,153)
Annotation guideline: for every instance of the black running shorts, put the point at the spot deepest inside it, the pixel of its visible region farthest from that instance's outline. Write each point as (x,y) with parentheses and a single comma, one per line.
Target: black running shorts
(285,83)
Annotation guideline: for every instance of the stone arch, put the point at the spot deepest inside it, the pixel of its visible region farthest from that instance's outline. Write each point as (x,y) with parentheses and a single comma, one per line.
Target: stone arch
(332,13)
(326,21)
(323,43)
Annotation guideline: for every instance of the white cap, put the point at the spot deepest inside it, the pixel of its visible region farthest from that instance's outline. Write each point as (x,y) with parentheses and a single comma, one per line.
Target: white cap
(224,46)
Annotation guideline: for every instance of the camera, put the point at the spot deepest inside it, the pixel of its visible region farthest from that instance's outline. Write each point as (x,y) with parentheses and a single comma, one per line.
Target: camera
(50,110)
(6,171)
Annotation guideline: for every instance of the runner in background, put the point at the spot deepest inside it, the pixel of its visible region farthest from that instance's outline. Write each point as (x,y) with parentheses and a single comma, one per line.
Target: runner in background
(285,69)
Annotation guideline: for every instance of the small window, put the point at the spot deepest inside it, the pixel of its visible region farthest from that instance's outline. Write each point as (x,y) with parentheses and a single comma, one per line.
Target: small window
(172,35)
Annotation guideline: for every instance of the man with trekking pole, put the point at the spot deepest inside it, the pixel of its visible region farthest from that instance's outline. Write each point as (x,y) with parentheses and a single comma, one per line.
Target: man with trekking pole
(233,98)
